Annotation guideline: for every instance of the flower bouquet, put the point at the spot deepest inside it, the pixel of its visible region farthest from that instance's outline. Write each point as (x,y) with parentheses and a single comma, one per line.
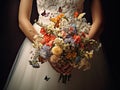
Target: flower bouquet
(64,42)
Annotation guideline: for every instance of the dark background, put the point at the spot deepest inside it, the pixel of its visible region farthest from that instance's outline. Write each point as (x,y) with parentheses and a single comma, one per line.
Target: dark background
(11,37)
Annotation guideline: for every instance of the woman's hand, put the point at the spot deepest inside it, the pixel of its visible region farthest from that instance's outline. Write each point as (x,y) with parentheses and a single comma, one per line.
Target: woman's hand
(92,37)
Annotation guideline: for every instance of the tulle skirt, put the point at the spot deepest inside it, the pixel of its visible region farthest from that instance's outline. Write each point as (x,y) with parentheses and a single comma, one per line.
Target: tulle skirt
(24,77)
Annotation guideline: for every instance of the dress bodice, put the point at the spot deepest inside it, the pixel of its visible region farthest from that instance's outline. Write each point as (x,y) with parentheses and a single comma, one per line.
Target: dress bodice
(51,8)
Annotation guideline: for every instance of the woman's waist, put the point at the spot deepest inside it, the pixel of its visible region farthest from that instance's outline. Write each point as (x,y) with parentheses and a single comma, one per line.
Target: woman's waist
(45,17)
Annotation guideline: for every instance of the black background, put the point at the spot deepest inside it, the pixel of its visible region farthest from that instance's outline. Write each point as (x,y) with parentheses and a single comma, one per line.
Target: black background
(11,37)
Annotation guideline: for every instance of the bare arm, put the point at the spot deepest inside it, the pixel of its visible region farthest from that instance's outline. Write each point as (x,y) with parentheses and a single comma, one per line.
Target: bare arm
(25,25)
(97,19)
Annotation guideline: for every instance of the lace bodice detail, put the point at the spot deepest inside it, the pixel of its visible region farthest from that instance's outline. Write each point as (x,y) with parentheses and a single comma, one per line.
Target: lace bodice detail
(50,8)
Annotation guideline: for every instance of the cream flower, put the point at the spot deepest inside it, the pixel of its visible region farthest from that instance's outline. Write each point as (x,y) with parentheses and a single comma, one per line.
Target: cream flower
(58,41)
(81,15)
(84,64)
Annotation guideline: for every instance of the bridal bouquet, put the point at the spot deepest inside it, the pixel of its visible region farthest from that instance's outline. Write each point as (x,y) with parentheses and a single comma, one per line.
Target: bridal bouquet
(64,41)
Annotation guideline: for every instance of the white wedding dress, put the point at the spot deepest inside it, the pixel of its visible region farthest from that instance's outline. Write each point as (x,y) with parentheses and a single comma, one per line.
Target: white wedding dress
(24,77)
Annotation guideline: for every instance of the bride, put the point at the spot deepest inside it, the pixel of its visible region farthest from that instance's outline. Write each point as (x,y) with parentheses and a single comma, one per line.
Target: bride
(24,77)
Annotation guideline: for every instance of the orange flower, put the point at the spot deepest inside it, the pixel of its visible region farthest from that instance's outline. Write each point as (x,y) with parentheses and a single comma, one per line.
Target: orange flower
(57,18)
(74,54)
(71,55)
(76,14)
(57,24)
(53,20)
(61,15)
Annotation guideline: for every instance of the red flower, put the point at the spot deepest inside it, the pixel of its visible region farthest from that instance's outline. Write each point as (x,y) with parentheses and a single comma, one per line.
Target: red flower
(76,14)
(43,31)
(77,38)
(46,38)
(49,39)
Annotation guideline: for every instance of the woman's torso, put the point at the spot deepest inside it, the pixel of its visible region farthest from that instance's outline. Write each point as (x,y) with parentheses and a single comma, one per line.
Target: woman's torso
(51,8)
